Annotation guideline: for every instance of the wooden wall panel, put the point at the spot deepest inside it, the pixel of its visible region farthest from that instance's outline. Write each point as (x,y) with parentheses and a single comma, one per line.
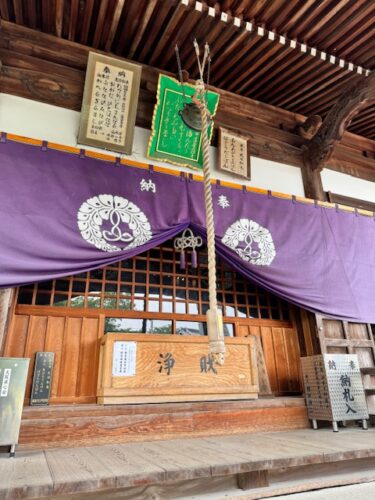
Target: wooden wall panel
(281,359)
(281,354)
(89,354)
(75,344)
(70,358)
(15,345)
(269,357)
(54,343)
(294,367)
(35,342)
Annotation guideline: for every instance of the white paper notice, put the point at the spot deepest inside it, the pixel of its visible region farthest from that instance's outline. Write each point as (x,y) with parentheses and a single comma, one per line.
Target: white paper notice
(4,389)
(124,359)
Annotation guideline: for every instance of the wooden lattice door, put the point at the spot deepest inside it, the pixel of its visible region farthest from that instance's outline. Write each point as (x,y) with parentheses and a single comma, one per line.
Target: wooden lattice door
(343,337)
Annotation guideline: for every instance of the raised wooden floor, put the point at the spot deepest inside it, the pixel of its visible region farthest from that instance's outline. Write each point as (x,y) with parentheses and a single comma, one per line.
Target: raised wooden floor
(79,425)
(106,470)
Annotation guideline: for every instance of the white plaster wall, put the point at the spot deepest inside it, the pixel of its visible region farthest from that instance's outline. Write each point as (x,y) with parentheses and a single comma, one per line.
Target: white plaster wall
(51,123)
(347,185)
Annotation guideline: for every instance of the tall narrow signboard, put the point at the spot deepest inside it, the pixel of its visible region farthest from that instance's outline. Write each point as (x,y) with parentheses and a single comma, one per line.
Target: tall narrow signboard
(13,375)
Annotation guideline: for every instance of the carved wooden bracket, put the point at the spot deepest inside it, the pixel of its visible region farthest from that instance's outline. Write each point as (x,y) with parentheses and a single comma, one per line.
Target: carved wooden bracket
(320,148)
(309,128)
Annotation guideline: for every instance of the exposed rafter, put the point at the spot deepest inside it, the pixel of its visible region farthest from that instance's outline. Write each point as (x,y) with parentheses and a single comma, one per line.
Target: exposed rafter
(298,55)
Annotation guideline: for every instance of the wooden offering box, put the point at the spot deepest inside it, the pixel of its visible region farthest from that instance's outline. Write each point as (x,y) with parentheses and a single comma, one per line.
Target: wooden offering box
(165,368)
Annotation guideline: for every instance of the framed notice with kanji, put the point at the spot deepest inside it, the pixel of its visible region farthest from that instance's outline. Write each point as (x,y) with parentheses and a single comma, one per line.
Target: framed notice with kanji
(172,140)
(233,153)
(109,103)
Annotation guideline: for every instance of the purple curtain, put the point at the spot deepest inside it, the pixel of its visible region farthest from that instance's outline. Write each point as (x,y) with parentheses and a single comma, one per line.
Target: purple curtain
(321,259)
(62,214)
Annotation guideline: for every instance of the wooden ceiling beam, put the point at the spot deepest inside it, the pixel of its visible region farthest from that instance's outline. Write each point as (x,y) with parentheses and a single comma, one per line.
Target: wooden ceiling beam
(284,12)
(74,6)
(4,11)
(100,23)
(264,70)
(267,80)
(31,14)
(294,19)
(49,69)
(235,73)
(168,57)
(259,66)
(366,53)
(333,24)
(321,104)
(348,27)
(142,28)
(363,117)
(87,16)
(162,11)
(114,24)
(357,96)
(313,16)
(46,16)
(292,77)
(59,16)
(233,52)
(170,33)
(275,79)
(357,43)
(352,40)
(18,13)
(309,87)
(267,12)
(254,9)
(217,40)
(322,19)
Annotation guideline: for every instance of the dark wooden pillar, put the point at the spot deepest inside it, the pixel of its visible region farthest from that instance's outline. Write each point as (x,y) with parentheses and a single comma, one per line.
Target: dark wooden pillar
(6,296)
(312,182)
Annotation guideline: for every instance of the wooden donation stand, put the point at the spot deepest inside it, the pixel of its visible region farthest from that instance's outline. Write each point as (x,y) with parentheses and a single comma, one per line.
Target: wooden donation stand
(135,368)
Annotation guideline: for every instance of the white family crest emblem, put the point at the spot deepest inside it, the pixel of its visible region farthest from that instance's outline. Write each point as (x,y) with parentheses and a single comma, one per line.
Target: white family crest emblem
(125,225)
(252,242)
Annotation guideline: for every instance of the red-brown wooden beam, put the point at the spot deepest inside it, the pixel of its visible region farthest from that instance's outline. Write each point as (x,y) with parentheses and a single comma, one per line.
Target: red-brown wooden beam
(49,69)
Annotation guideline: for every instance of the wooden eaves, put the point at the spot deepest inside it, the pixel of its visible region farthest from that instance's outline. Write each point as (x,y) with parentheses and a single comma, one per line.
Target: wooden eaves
(52,70)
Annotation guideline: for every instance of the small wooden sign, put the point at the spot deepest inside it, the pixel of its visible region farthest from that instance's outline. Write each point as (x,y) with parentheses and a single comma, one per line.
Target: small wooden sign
(233,154)
(13,375)
(109,104)
(42,378)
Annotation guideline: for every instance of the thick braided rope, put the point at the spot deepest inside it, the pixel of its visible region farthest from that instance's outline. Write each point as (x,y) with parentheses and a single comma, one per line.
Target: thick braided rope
(209,206)
(217,342)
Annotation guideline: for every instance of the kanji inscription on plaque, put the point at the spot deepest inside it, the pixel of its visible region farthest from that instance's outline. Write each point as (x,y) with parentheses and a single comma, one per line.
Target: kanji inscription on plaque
(234,156)
(109,103)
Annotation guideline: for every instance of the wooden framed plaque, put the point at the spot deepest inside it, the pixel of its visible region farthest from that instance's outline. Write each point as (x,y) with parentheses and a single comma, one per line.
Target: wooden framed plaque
(42,379)
(109,103)
(233,154)
(172,140)
(141,368)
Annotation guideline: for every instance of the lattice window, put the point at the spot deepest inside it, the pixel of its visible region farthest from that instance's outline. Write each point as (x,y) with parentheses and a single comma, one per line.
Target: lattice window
(153,284)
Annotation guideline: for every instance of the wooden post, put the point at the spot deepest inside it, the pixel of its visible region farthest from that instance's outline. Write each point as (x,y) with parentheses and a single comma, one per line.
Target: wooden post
(312,181)
(6,296)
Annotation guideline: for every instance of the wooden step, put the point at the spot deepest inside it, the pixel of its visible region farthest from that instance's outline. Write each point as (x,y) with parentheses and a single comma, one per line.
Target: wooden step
(81,425)
(368,370)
